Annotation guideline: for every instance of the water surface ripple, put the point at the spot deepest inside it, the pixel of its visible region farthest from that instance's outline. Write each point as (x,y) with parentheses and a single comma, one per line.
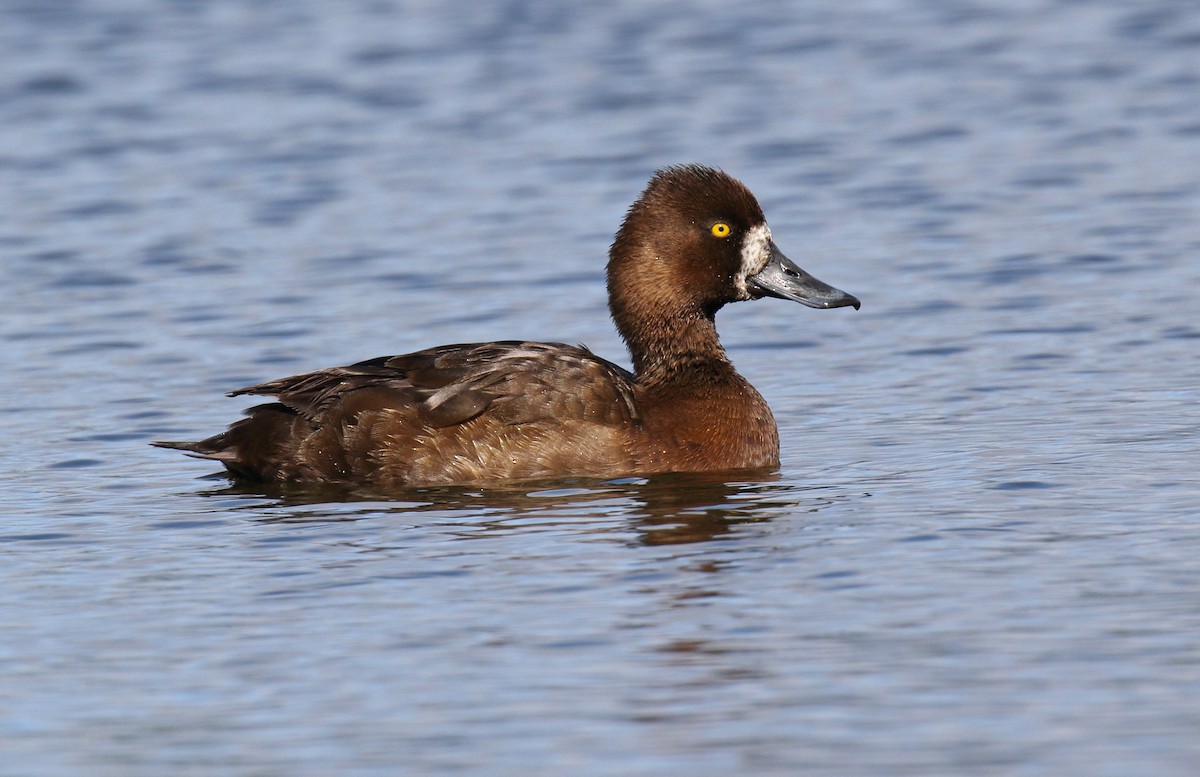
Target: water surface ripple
(979,555)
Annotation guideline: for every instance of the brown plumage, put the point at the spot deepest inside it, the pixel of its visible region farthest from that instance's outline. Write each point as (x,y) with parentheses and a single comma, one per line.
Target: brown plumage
(695,240)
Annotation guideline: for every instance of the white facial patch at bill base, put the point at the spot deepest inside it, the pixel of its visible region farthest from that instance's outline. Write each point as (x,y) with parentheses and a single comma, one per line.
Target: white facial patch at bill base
(756,252)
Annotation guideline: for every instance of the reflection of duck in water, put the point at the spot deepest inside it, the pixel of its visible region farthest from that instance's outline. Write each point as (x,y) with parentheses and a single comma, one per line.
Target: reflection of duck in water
(663,509)
(695,240)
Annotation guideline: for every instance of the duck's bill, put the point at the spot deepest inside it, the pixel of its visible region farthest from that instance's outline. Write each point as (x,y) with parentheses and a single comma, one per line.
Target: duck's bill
(783,279)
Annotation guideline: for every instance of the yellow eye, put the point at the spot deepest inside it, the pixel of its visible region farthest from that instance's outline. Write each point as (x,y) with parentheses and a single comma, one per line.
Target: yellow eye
(720,229)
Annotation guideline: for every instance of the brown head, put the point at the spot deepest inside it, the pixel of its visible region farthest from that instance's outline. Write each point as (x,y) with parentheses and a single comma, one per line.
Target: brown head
(695,240)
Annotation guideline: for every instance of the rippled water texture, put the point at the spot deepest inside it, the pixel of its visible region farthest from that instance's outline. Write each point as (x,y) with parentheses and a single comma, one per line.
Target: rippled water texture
(980,555)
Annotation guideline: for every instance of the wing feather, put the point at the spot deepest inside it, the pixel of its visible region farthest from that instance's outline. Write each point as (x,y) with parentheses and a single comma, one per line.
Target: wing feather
(518,382)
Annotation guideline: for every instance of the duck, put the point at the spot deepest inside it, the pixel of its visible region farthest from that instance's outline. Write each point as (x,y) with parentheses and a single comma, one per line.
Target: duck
(695,240)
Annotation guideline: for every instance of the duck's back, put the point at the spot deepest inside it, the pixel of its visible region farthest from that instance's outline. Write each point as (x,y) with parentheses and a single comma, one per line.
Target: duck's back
(453,414)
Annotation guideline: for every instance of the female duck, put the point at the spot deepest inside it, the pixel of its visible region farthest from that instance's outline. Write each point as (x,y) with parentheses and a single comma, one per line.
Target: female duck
(695,240)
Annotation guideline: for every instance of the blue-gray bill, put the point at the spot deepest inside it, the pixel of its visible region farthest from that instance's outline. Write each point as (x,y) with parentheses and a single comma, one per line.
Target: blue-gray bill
(783,279)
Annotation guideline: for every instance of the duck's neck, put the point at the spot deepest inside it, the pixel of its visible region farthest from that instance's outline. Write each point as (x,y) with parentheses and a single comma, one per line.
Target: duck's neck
(676,348)
(665,321)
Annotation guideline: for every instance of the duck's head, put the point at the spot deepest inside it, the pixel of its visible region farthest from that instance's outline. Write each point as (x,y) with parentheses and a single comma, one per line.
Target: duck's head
(695,240)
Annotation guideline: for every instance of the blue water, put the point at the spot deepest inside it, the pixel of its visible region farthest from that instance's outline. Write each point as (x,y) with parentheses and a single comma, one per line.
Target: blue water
(981,554)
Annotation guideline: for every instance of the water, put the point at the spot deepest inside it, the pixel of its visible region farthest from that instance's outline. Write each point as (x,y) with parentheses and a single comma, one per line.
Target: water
(980,553)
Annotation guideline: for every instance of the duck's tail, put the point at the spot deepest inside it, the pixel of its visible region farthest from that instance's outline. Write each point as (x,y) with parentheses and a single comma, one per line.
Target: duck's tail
(250,448)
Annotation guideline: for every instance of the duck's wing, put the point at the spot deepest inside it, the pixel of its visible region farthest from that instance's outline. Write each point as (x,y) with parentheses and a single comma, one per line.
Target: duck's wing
(516,382)
(340,425)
